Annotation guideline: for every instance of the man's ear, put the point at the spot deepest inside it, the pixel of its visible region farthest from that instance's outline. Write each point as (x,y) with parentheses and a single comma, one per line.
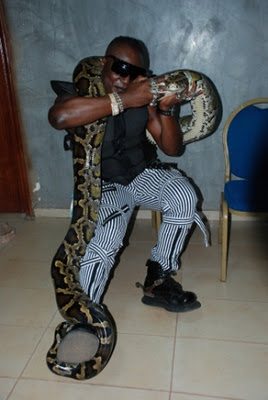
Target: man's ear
(103,61)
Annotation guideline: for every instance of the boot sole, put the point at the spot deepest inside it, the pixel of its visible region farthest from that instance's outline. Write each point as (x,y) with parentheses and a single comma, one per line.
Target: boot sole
(151,301)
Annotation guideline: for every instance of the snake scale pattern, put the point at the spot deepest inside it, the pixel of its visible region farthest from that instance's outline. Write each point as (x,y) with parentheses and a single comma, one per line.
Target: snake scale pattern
(76,308)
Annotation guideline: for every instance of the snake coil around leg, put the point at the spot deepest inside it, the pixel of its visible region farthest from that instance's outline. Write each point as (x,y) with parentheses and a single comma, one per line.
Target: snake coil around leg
(78,310)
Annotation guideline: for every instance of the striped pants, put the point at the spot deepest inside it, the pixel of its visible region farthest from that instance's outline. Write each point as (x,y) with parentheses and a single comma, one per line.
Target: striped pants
(155,189)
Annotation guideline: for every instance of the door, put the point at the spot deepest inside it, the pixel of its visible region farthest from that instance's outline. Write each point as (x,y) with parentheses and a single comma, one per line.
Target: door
(14,182)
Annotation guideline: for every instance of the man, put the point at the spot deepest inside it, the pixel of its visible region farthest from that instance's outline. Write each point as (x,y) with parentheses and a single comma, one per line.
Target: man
(127,178)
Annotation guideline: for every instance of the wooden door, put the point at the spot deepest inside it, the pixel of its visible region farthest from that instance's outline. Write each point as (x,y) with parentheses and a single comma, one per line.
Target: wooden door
(14,183)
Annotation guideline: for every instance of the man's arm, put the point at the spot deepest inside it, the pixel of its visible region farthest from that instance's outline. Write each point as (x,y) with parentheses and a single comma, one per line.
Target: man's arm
(71,111)
(164,128)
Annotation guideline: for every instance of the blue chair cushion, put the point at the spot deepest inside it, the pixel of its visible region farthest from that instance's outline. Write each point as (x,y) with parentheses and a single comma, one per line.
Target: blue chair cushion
(248,143)
(246,195)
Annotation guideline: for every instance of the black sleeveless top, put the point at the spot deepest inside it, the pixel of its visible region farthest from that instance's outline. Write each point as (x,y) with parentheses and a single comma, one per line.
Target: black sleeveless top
(124,146)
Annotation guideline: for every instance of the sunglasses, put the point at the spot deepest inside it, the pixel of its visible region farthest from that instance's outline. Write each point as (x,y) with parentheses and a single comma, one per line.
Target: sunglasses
(125,69)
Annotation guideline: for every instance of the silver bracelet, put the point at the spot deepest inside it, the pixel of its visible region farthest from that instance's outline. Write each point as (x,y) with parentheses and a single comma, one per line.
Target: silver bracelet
(154,91)
(119,102)
(116,103)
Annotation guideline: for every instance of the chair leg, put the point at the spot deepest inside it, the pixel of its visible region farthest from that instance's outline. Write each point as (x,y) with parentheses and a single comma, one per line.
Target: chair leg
(220,220)
(156,220)
(224,242)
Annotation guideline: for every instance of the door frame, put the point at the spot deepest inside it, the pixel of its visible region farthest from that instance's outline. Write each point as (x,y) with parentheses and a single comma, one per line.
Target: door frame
(16,142)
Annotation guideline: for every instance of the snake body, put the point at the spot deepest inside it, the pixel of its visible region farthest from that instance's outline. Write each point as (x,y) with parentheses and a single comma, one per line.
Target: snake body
(75,306)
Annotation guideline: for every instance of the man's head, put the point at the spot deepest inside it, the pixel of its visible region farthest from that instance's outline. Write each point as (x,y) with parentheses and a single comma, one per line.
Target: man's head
(126,58)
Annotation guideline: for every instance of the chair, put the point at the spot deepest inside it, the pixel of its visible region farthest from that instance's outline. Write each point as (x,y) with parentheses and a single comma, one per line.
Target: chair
(245,145)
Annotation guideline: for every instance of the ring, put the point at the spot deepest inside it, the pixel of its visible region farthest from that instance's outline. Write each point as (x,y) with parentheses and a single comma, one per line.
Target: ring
(154,91)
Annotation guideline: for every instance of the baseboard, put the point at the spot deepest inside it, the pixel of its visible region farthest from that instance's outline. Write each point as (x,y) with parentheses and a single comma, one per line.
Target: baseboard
(52,212)
(212,215)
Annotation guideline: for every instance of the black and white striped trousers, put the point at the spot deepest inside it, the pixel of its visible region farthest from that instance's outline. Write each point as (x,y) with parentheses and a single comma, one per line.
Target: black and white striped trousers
(155,189)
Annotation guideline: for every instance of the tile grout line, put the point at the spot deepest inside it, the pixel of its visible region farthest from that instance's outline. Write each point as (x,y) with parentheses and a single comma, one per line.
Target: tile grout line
(173,362)
(19,377)
(211,339)
(83,383)
(173,356)
(12,390)
(35,347)
(212,397)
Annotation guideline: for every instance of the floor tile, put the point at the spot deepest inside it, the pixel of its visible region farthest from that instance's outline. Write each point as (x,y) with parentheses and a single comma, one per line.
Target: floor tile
(139,361)
(33,251)
(228,320)
(16,347)
(249,231)
(26,307)
(132,316)
(6,385)
(182,396)
(36,275)
(242,284)
(41,390)
(255,249)
(250,257)
(37,367)
(36,240)
(56,320)
(221,368)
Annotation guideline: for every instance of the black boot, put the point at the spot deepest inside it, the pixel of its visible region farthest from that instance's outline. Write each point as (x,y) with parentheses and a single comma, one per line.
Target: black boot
(161,290)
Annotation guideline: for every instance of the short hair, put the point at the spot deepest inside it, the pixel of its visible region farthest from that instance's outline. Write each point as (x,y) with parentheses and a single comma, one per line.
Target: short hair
(136,44)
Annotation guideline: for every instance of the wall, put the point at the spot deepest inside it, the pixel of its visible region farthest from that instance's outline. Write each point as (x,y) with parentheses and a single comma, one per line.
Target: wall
(226,40)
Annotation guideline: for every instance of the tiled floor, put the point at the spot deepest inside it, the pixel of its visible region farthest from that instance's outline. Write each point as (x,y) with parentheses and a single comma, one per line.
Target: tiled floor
(217,352)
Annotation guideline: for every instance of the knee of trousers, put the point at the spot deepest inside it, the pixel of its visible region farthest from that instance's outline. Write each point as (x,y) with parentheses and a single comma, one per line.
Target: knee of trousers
(179,200)
(96,254)
(108,238)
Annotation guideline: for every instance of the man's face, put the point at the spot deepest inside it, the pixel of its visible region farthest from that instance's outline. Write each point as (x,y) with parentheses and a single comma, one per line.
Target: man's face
(120,68)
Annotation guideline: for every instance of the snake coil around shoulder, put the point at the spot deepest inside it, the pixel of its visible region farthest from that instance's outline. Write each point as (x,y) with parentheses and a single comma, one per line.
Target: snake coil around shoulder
(75,306)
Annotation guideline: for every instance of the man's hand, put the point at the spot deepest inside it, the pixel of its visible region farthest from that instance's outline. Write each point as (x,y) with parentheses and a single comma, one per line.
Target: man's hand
(138,93)
(172,99)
